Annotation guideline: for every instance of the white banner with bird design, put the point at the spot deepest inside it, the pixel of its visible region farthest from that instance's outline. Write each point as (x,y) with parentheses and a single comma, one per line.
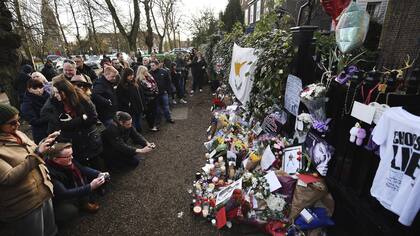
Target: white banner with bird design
(242,69)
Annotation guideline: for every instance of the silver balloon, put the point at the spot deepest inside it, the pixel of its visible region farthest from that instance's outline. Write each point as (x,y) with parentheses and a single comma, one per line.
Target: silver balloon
(352,28)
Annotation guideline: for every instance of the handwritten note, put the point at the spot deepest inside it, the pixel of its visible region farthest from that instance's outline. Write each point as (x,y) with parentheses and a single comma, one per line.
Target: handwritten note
(292,95)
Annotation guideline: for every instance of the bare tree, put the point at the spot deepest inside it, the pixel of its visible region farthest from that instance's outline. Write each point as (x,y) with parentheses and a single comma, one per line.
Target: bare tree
(131,37)
(164,9)
(149,34)
(174,24)
(21,30)
(75,22)
(57,15)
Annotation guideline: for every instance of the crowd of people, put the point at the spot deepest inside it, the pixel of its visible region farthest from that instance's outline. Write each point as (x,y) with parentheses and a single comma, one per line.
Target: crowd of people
(84,125)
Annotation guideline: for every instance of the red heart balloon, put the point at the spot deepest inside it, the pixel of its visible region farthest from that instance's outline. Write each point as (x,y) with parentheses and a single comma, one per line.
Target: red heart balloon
(334,8)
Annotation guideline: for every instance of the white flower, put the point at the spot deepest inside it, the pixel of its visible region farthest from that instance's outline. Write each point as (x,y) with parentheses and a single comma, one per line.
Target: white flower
(275,203)
(259,195)
(305,118)
(254,182)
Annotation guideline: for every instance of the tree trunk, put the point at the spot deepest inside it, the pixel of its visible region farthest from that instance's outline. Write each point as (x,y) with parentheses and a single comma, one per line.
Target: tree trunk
(77,27)
(161,43)
(9,54)
(66,49)
(95,37)
(132,37)
(174,34)
(171,44)
(117,42)
(149,35)
(22,32)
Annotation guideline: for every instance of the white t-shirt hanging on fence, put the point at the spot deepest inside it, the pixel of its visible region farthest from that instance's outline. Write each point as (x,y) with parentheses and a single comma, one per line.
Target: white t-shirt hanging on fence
(397,181)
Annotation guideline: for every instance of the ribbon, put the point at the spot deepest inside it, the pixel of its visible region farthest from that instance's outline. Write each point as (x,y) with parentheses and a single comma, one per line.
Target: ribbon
(321,126)
(346,74)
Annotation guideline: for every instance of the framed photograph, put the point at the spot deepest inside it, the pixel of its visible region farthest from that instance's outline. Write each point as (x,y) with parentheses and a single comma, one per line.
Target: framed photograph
(319,151)
(292,159)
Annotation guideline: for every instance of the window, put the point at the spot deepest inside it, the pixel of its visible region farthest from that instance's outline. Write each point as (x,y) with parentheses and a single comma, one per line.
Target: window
(374,9)
(246,16)
(251,14)
(257,10)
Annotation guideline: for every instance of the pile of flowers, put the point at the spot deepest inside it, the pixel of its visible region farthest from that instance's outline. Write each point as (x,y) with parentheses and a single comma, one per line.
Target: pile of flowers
(235,180)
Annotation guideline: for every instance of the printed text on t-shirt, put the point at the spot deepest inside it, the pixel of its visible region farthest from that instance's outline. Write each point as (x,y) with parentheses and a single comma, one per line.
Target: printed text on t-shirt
(409,144)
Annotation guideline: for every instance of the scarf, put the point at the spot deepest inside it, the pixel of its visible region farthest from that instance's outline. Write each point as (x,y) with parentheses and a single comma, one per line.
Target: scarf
(73,169)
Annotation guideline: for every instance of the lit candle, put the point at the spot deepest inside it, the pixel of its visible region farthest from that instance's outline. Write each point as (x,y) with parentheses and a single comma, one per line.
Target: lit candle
(197,210)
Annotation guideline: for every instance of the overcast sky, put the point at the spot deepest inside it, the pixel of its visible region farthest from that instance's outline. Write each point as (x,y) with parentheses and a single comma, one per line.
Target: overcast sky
(193,7)
(188,8)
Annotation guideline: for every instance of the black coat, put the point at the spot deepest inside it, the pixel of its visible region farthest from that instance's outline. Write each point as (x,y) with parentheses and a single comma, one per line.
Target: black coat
(65,186)
(49,72)
(79,131)
(20,84)
(104,98)
(162,79)
(198,68)
(88,71)
(30,110)
(130,99)
(116,138)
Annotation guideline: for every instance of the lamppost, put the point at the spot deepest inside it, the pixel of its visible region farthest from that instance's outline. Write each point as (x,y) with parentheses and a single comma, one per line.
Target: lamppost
(179,36)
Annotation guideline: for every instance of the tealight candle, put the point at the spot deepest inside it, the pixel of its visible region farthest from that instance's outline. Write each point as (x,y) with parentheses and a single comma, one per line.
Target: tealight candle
(213,222)
(205,209)
(223,169)
(197,210)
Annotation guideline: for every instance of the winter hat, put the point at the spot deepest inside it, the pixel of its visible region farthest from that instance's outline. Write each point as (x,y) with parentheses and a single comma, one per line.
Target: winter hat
(6,113)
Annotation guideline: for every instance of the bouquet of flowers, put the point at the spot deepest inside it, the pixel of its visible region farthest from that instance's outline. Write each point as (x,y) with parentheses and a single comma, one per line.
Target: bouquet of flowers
(253,161)
(313,96)
(303,124)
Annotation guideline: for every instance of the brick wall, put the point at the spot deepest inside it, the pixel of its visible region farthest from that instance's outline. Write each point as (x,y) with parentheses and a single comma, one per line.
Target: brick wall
(400,33)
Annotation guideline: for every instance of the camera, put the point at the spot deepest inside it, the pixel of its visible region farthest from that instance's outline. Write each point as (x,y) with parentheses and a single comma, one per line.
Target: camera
(106,176)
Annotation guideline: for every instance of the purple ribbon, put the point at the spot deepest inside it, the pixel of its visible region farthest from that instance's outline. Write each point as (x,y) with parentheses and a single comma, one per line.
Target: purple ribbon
(321,126)
(345,75)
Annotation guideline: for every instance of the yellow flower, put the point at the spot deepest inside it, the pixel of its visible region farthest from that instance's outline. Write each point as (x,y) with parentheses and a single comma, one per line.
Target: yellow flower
(220,140)
(254,157)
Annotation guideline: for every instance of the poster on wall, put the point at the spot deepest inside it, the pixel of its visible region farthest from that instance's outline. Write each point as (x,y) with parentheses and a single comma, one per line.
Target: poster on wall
(292,95)
(242,68)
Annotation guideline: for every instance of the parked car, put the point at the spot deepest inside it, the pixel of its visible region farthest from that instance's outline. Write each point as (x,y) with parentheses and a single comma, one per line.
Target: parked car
(94,61)
(59,64)
(114,56)
(53,58)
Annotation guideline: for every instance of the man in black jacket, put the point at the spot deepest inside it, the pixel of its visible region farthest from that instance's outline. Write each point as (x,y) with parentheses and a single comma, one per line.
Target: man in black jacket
(117,152)
(163,81)
(104,96)
(49,71)
(82,68)
(73,183)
